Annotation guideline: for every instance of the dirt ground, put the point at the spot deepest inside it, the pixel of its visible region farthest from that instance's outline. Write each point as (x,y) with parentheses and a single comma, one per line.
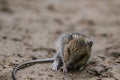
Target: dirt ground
(29,29)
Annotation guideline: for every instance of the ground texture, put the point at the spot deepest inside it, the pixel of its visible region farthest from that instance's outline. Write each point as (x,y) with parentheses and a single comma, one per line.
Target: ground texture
(29,29)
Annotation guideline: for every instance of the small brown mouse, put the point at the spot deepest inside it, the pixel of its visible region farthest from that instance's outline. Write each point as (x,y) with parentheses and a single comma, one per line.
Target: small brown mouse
(74,51)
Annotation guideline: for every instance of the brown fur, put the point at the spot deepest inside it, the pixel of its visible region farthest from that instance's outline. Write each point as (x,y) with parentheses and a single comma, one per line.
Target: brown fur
(76,52)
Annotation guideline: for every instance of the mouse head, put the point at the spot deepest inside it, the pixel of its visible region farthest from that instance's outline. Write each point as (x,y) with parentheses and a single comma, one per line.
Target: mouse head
(81,39)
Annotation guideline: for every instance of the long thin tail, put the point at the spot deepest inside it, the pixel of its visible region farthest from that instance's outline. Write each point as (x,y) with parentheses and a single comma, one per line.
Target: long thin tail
(28,63)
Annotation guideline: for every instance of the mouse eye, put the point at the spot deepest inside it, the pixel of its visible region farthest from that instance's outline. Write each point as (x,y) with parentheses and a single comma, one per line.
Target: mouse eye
(68,51)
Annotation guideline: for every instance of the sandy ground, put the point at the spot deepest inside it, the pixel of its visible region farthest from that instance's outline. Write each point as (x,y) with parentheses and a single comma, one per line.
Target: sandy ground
(29,29)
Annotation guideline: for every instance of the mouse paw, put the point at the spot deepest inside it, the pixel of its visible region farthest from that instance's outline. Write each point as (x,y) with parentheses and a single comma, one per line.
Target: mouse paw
(54,66)
(64,68)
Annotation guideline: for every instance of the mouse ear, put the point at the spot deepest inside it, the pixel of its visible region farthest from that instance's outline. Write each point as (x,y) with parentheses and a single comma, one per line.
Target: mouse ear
(70,37)
(90,43)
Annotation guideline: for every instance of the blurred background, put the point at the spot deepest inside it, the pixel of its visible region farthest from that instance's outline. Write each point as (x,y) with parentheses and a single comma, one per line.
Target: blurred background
(29,29)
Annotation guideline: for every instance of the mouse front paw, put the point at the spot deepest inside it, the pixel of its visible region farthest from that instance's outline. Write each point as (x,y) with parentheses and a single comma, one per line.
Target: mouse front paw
(65,70)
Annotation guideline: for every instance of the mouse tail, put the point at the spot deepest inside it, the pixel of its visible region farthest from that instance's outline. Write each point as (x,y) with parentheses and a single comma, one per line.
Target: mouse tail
(29,63)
